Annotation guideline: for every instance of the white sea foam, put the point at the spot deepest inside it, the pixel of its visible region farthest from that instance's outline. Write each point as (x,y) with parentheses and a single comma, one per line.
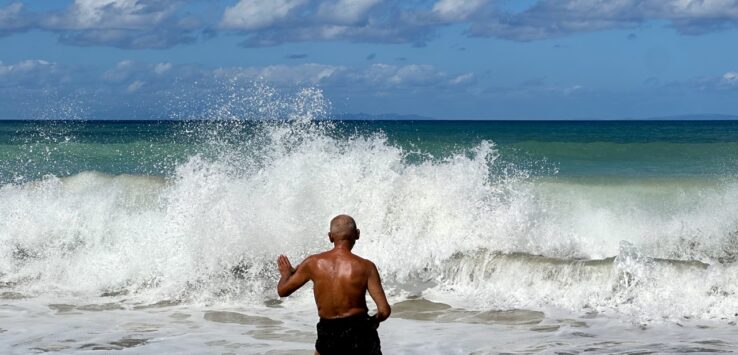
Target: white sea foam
(446,227)
(457,228)
(80,255)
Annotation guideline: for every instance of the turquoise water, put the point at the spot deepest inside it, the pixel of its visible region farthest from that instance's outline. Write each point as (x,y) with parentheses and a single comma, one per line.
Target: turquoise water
(587,148)
(613,236)
(30,150)
(94,193)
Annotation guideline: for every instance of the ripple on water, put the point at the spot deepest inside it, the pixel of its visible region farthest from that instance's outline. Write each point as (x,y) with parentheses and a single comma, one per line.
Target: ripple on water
(583,335)
(545,328)
(160,304)
(281,333)
(179,316)
(422,309)
(100,307)
(8,295)
(51,348)
(62,308)
(715,342)
(699,349)
(238,318)
(123,343)
(141,327)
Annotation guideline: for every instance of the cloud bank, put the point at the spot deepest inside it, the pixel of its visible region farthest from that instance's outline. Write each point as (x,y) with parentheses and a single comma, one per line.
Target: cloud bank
(139,24)
(140,89)
(131,89)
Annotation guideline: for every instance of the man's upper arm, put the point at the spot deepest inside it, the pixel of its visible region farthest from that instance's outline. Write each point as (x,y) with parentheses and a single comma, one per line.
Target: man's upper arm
(374,286)
(296,280)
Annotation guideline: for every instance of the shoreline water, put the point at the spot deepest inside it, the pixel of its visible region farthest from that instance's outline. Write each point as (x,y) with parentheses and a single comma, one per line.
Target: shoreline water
(518,237)
(421,328)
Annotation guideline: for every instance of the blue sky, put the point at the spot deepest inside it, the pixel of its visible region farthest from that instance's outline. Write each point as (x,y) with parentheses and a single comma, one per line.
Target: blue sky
(476,59)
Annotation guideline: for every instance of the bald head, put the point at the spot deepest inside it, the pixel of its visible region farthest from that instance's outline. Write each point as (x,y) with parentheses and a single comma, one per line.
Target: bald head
(343,227)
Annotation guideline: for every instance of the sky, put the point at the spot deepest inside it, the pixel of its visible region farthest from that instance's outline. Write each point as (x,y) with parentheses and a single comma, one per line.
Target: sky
(445,59)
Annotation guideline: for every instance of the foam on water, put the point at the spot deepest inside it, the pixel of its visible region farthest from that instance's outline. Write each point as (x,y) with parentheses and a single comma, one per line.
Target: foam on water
(451,228)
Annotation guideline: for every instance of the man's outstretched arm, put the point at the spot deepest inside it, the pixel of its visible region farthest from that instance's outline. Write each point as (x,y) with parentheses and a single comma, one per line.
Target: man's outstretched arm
(377,293)
(291,279)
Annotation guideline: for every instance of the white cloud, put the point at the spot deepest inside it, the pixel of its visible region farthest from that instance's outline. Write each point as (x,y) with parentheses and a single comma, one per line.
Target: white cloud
(161,68)
(134,86)
(303,74)
(91,13)
(34,73)
(415,74)
(389,76)
(121,23)
(121,71)
(10,12)
(144,85)
(551,18)
(456,10)
(377,76)
(166,23)
(26,66)
(697,8)
(572,89)
(462,79)
(258,14)
(346,11)
(4,69)
(112,14)
(12,19)
(126,71)
(730,77)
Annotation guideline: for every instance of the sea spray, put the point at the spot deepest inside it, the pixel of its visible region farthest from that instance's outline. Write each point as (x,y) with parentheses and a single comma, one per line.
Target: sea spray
(456,227)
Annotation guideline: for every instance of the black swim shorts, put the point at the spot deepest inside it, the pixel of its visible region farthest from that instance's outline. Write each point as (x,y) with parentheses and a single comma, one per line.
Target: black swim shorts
(355,335)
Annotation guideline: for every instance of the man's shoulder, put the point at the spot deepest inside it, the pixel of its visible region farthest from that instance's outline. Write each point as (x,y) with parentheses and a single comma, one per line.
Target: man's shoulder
(367,263)
(312,258)
(329,255)
(318,256)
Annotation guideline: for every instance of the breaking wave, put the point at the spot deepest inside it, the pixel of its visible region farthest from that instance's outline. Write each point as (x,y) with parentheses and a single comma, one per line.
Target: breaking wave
(449,227)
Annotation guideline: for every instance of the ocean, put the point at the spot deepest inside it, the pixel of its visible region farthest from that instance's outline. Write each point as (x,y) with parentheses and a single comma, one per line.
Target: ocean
(490,236)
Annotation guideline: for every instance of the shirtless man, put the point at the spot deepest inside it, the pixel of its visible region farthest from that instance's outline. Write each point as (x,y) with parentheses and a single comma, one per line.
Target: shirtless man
(340,281)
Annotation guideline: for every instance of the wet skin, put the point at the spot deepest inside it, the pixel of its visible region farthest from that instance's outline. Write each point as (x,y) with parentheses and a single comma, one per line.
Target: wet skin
(340,280)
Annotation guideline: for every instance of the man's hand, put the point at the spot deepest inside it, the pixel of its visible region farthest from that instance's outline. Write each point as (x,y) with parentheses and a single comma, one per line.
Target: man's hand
(292,278)
(284,266)
(374,286)
(374,321)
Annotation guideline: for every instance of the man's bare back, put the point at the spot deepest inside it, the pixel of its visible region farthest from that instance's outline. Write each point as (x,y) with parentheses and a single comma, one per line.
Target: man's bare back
(340,282)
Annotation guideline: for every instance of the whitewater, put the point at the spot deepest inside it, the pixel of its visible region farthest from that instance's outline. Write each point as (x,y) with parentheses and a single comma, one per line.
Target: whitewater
(479,252)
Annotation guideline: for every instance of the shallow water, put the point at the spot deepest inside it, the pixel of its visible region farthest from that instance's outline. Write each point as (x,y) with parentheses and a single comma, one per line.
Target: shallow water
(491,237)
(418,326)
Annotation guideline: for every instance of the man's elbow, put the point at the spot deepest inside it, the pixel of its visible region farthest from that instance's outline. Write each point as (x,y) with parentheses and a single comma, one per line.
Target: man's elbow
(384,313)
(282,292)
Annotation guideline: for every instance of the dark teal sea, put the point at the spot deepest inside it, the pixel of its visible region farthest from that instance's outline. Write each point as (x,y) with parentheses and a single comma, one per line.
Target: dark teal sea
(495,236)
(32,149)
